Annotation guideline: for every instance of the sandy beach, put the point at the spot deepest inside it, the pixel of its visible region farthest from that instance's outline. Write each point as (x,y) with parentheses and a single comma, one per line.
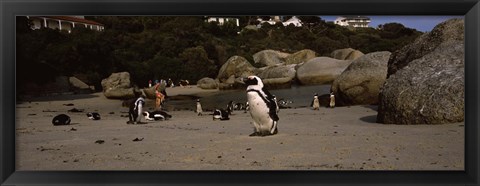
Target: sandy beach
(343,138)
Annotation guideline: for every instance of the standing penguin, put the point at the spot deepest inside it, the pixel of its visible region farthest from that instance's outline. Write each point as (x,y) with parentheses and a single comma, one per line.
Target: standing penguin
(332,100)
(136,110)
(230,107)
(199,108)
(315,102)
(262,107)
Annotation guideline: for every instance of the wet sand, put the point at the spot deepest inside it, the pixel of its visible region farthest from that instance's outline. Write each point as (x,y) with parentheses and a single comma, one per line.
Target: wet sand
(343,138)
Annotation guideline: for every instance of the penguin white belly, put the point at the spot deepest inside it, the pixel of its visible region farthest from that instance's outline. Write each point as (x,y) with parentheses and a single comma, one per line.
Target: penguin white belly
(259,112)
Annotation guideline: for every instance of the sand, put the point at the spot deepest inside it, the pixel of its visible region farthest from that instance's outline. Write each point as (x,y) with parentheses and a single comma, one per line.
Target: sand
(343,138)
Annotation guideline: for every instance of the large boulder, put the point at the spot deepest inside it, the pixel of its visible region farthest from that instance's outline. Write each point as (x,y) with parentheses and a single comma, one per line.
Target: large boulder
(232,83)
(300,57)
(269,57)
(346,54)
(321,70)
(429,90)
(118,86)
(360,83)
(451,30)
(279,76)
(207,83)
(236,66)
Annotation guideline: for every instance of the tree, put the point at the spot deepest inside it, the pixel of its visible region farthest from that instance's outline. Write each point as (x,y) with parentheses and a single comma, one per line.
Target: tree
(310,21)
(196,64)
(180,47)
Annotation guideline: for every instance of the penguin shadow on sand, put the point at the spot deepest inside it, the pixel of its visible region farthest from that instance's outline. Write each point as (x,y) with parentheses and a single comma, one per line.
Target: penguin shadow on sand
(369,119)
(372,118)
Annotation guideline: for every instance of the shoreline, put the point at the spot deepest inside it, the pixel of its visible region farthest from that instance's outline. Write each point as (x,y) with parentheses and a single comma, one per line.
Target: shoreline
(343,138)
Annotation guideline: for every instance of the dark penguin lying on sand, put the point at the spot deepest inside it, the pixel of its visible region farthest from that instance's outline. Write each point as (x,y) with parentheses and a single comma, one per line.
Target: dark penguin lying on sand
(263,107)
(61,119)
(156,115)
(220,114)
(93,116)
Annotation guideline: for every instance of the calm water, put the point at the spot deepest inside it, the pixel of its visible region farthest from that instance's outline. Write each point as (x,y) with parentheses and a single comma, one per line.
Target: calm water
(301,96)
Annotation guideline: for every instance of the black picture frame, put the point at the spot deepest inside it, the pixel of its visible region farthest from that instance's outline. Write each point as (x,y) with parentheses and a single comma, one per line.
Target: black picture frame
(10,9)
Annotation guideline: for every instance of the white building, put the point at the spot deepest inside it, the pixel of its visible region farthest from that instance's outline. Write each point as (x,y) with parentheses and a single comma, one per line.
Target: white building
(354,21)
(222,20)
(277,19)
(294,20)
(66,23)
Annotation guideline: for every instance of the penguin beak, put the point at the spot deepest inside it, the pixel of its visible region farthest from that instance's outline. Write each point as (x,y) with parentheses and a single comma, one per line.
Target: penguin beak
(243,80)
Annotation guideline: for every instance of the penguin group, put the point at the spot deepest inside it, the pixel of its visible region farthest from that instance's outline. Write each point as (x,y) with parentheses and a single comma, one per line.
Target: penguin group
(221,114)
(63,119)
(315,104)
(284,103)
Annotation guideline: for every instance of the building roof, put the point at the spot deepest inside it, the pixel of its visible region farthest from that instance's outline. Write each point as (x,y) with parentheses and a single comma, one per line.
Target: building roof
(293,20)
(74,19)
(355,17)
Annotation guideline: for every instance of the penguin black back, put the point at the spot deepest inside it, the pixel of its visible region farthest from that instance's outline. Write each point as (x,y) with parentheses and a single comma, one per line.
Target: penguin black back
(61,119)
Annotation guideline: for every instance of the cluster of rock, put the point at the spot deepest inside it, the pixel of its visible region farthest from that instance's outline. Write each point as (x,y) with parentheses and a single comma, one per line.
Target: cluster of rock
(360,83)
(426,79)
(118,86)
(422,83)
(279,69)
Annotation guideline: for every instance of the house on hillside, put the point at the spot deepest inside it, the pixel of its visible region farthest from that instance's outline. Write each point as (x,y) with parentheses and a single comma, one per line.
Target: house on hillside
(354,21)
(222,20)
(66,23)
(294,20)
(280,19)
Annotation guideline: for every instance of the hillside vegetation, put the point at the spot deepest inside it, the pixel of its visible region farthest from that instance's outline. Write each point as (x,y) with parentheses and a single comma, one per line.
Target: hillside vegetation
(181,47)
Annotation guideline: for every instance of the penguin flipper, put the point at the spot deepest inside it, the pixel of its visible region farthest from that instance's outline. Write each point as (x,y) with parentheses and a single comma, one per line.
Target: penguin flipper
(273,115)
(272,105)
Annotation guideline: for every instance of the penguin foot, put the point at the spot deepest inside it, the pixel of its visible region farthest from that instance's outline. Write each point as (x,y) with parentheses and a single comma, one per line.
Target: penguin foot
(130,122)
(254,134)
